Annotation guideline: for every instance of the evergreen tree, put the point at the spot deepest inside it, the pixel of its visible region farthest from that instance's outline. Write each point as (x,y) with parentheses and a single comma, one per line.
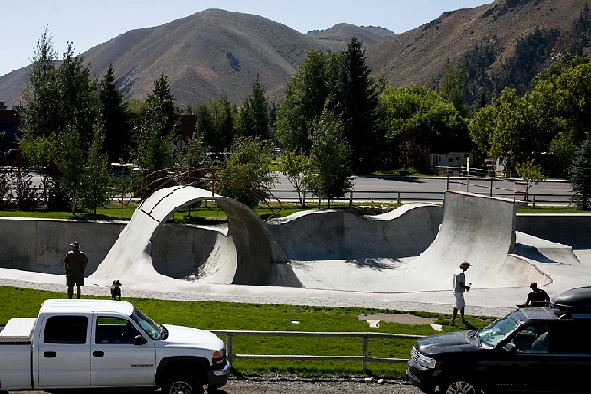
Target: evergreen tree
(253,117)
(305,96)
(581,175)
(453,87)
(356,102)
(40,116)
(154,135)
(115,118)
(215,124)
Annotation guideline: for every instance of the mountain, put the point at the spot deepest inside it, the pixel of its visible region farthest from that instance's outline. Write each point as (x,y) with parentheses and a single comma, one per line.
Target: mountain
(505,43)
(337,37)
(203,55)
(494,42)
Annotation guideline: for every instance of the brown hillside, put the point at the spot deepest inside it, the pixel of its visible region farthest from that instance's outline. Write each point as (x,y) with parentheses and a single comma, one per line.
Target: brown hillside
(203,55)
(419,56)
(214,51)
(337,37)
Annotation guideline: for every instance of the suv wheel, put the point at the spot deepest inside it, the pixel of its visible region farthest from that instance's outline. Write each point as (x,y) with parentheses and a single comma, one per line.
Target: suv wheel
(460,386)
(183,383)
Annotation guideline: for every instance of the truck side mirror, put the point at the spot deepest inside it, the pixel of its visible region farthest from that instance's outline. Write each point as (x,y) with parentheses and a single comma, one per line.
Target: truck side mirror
(510,347)
(139,340)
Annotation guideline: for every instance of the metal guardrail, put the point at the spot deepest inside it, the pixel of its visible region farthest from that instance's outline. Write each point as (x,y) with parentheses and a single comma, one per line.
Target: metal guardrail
(429,196)
(365,358)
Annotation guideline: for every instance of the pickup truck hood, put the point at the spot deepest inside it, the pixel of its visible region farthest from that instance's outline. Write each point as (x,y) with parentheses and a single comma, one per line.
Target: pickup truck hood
(192,337)
(452,342)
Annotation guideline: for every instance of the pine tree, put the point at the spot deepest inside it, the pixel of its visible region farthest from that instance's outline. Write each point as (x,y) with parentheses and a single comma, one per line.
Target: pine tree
(356,102)
(115,118)
(581,175)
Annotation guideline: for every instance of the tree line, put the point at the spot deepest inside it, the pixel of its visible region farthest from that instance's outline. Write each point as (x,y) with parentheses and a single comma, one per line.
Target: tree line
(335,121)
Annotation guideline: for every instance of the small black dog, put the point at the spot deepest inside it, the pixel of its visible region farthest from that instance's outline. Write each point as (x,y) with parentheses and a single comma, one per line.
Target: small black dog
(116,290)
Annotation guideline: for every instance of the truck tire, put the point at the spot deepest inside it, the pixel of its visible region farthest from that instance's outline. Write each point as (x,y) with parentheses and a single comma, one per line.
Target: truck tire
(182,383)
(460,386)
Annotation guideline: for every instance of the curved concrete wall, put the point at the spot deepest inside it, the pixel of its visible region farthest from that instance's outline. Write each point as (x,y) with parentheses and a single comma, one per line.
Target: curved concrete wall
(567,229)
(338,235)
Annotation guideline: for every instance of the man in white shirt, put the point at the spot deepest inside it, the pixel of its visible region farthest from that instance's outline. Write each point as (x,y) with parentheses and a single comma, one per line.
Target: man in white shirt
(460,286)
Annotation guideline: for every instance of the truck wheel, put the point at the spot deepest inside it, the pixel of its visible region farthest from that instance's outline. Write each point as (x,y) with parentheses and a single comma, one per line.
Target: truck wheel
(460,386)
(183,383)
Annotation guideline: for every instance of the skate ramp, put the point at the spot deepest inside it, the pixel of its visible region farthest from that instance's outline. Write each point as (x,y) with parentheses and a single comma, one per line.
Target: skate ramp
(248,262)
(332,235)
(480,230)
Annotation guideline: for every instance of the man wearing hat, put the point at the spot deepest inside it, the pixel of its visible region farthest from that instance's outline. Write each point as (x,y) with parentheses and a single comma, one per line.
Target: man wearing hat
(460,286)
(536,297)
(75,264)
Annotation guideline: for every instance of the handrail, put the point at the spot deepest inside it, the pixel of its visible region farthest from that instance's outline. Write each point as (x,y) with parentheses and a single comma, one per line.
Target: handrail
(365,358)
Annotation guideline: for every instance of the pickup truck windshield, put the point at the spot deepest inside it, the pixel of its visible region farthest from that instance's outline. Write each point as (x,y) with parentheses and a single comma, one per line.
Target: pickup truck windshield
(499,330)
(155,331)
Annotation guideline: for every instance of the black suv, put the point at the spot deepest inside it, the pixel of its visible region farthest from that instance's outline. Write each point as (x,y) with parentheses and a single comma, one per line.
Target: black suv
(540,349)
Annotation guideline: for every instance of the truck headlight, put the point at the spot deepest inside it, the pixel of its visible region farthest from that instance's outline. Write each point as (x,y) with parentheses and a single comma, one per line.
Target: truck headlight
(422,360)
(219,357)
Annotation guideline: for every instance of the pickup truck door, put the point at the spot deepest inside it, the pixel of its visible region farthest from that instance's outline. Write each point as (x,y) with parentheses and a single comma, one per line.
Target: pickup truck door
(62,352)
(115,360)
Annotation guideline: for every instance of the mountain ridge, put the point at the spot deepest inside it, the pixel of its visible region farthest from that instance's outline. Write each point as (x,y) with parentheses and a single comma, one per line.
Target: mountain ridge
(216,51)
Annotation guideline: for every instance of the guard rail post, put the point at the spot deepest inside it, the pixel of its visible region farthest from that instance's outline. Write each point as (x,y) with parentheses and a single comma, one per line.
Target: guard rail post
(365,351)
(229,347)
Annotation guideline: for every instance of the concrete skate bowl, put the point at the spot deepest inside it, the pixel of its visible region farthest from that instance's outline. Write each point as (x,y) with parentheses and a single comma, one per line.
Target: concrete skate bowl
(240,255)
(403,251)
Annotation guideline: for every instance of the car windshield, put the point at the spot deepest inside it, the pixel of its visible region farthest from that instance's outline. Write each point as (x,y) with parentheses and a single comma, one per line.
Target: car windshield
(155,331)
(498,331)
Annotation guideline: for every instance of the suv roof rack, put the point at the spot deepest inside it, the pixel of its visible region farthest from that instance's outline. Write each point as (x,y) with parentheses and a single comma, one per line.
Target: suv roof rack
(574,300)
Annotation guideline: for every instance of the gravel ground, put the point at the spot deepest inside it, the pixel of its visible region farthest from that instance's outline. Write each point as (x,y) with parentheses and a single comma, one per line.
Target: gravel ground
(290,385)
(279,384)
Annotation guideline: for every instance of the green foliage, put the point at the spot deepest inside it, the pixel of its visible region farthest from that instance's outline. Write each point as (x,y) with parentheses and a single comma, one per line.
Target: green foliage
(510,128)
(354,98)
(453,88)
(530,172)
(253,116)
(419,121)
(95,177)
(115,119)
(154,135)
(329,172)
(475,64)
(531,54)
(245,175)
(215,123)
(581,175)
(294,166)
(304,101)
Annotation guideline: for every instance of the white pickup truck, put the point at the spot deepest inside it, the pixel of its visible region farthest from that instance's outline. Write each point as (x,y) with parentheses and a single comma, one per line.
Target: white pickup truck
(85,344)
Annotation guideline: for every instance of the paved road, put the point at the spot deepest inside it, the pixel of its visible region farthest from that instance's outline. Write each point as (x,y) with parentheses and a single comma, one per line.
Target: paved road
(392,188)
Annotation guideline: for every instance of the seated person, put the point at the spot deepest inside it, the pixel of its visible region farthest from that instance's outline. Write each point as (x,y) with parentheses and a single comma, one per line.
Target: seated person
(541,343)
(537,297)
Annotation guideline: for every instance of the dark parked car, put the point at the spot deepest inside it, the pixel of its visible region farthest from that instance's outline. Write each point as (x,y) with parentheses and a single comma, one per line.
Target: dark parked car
(539,349)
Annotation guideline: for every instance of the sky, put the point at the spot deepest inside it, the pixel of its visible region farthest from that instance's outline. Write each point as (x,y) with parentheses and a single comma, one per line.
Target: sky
(87,23)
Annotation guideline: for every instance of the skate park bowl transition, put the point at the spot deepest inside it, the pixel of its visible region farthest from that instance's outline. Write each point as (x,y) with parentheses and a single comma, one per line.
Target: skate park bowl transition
(414,248)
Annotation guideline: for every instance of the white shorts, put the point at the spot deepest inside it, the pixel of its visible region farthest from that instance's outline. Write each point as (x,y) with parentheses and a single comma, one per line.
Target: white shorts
(459,300)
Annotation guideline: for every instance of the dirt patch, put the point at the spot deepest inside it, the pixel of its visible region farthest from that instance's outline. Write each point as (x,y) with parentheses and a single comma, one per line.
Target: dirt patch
(402,318)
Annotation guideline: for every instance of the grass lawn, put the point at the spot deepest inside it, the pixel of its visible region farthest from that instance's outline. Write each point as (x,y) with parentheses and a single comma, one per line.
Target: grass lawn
(213,315)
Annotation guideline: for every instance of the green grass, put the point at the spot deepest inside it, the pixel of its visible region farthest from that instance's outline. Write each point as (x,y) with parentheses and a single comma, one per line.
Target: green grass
(546,209)
(213,315)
